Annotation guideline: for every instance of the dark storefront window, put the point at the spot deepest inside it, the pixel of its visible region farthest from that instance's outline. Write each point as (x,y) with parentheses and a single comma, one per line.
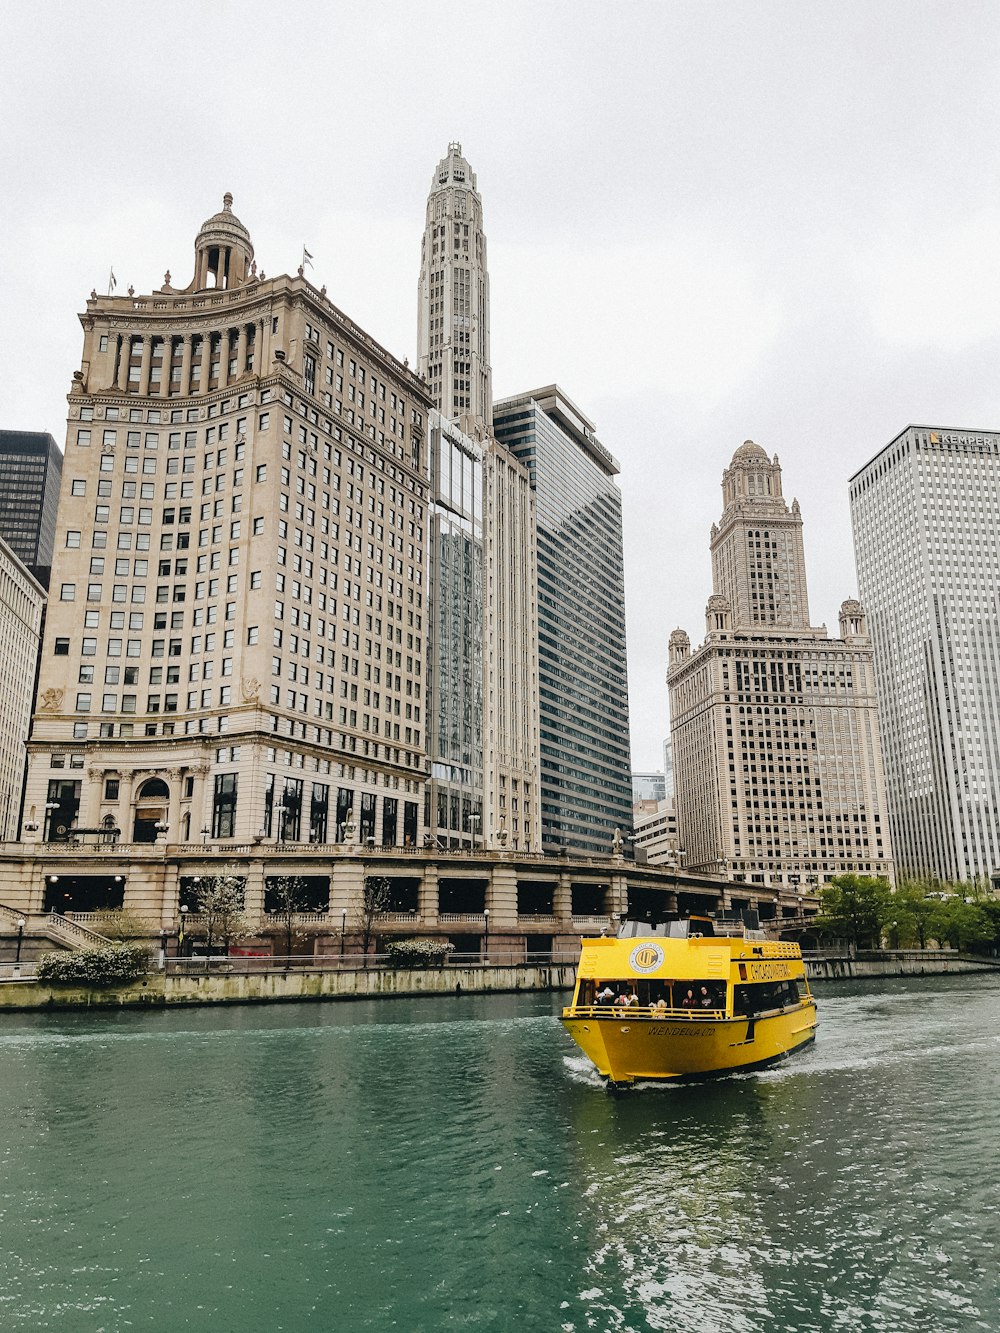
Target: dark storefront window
(319,808)
(224,806)
(367,828)
(410,823)
(268,804)
(62,809)
(390,809)
(345,804)
(290,811)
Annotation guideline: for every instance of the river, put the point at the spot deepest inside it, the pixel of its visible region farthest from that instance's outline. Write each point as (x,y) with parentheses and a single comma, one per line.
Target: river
(453,1164)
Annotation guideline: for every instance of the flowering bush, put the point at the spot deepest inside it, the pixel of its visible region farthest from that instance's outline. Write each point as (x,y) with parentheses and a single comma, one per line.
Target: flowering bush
(95,967)
(419,953)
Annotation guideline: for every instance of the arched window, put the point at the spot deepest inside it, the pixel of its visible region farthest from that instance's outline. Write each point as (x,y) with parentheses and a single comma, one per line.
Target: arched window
(150,809)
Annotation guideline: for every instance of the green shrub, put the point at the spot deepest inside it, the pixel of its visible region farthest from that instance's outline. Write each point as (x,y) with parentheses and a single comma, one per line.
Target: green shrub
(419,953)
(95,967)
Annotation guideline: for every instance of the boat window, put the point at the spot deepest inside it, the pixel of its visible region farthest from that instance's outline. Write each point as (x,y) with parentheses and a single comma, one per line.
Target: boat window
(743,1004)
(750,1000)
(701,995)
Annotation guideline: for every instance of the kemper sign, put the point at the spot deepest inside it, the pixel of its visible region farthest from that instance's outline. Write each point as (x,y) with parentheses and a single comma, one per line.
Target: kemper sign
(960,438)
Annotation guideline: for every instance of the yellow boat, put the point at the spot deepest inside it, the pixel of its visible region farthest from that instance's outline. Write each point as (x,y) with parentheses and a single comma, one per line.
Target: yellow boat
(681,1002)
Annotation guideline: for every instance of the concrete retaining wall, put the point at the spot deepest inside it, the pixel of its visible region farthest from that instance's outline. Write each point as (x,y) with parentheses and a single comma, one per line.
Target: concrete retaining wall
(870,965)
(298,985)
(158,990)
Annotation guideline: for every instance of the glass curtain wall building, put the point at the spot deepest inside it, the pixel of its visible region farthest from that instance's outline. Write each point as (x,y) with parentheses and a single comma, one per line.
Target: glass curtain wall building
(454,804)
(30,474)
(926,518)
(586,780)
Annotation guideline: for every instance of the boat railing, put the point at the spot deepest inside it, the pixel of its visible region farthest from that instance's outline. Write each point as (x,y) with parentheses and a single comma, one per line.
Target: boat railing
(737,930)
(642,1011)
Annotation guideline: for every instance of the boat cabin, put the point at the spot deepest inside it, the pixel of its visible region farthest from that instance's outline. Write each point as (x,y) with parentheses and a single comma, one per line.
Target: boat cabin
(684,969)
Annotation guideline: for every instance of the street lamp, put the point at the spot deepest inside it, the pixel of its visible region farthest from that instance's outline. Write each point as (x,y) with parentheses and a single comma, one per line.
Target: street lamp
(474,822)
(182,931)
(486,934)
(21,923)
(343,931)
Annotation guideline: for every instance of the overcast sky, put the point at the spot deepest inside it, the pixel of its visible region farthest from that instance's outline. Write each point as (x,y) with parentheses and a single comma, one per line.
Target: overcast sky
(707,221)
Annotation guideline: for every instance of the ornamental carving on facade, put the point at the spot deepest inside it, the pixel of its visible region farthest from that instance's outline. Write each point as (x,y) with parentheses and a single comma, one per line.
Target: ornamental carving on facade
(51,700)
(250,689)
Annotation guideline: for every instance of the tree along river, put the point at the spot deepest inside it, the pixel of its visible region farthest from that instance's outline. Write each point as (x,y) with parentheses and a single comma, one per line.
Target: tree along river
(454,1164)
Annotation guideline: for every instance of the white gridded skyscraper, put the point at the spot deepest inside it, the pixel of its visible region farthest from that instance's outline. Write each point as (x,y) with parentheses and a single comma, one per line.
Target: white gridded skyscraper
(926,518)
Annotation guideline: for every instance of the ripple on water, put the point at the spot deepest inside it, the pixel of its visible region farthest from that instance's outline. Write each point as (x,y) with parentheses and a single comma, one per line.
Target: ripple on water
(266,1169)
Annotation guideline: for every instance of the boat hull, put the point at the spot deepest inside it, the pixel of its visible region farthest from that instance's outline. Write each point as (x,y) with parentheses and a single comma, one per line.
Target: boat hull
(625,1049)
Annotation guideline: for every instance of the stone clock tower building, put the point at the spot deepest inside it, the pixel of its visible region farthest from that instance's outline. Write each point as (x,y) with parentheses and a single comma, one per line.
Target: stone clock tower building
(777,755)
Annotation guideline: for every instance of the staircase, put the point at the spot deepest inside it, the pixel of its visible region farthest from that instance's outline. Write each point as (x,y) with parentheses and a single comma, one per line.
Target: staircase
(51,926)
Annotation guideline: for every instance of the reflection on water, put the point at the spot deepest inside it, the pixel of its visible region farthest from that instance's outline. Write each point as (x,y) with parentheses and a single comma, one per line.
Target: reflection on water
(456,1164)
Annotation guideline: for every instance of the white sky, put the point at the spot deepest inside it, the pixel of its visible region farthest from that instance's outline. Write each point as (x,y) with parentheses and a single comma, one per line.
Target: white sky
(707,221)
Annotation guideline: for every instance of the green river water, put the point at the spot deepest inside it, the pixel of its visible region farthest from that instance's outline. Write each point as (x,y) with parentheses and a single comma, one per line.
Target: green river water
(453,1164)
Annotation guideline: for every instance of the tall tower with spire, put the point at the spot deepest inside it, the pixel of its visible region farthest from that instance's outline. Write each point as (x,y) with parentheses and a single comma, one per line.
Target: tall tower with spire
(482,672)
(778,773)
(453,332)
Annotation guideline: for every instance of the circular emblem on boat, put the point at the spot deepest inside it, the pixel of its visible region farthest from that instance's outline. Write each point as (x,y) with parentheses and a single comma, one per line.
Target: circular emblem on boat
(645,957)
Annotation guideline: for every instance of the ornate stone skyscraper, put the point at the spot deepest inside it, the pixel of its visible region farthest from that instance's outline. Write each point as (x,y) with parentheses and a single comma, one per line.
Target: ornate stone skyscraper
(453,334)
(777,757)
(234,643)
(482,683)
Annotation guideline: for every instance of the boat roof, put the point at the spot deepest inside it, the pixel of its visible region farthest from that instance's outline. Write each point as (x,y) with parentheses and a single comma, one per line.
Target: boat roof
(695,959)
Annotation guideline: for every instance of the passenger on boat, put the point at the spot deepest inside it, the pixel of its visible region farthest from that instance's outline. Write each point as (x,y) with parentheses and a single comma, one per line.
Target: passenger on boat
(660,1008)
(622,1000)
(705,1000)
(689,1002)
(633,1000)
(605,995)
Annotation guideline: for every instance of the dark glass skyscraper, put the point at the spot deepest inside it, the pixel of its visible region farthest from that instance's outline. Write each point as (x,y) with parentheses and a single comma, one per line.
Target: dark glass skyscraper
(583,683)
(454,794)
(30,473)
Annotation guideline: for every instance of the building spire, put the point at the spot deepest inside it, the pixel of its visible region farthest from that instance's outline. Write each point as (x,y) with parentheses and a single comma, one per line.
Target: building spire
(453,332)
(758,565)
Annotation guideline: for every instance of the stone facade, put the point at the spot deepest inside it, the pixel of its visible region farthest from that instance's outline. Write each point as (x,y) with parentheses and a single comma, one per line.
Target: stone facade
(512,902)
(656,832)
(453,320)
(235,641)
(22,603)
(776,750)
